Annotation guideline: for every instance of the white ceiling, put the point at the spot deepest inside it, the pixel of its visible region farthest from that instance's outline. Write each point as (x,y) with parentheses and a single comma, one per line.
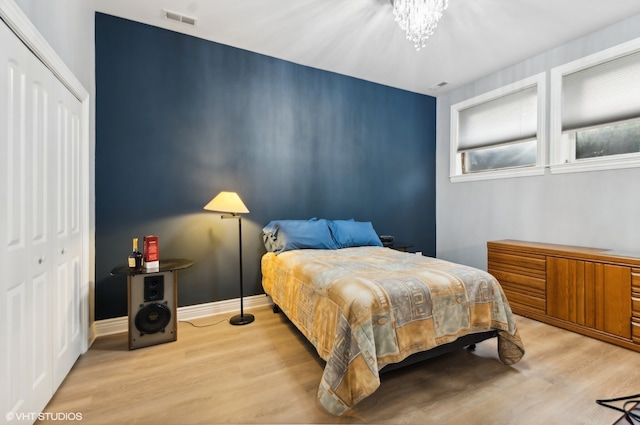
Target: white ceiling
(360,37)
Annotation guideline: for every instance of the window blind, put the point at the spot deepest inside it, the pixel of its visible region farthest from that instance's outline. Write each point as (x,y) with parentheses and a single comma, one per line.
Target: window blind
(508,118)
(604,93)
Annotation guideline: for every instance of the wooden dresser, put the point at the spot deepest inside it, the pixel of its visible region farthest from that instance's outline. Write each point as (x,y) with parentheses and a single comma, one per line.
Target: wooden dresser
(591,291)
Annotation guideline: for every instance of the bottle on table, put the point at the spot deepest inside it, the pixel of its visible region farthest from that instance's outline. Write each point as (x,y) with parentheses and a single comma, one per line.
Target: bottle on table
(135,258)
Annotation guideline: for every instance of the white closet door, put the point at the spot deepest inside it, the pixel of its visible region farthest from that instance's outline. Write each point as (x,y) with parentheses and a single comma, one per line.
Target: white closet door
(26,248)
(40,236)
(67,244)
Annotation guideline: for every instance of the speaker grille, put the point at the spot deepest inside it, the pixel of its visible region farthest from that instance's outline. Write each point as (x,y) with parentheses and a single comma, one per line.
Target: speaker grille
(153,318)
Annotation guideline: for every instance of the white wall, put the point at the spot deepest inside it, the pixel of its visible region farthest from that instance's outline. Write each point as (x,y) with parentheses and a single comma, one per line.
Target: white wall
(68,26)
(597,208)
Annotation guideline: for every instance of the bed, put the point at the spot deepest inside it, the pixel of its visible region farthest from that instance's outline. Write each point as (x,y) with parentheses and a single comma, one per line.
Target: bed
(365,307)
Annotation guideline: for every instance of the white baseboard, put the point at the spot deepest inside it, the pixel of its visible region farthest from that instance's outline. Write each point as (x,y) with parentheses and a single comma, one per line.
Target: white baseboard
(189,312)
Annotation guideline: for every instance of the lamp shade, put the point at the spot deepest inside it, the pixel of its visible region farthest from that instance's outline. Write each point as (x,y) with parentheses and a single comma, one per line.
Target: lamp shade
(228,202)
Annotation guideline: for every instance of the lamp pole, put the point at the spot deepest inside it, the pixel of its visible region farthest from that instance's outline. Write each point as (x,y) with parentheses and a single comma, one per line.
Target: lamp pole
(241,319)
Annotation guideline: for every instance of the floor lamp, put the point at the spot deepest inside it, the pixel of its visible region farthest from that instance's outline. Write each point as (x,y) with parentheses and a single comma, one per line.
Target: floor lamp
(230,202)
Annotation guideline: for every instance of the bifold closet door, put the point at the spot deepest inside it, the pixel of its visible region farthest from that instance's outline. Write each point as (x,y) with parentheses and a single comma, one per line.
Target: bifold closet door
(66,205)
(40,229)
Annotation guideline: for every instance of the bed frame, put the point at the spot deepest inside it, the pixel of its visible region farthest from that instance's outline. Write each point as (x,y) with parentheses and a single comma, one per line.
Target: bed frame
(468,341)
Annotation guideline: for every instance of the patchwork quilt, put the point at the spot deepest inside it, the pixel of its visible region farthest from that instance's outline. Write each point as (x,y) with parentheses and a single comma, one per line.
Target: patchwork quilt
(366,307)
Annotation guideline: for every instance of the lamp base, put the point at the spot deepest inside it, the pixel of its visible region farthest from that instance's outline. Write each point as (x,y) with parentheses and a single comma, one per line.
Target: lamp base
(242,319)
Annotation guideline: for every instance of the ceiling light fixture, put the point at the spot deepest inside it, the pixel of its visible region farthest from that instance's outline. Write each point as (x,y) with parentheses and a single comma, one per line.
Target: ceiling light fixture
(418,18)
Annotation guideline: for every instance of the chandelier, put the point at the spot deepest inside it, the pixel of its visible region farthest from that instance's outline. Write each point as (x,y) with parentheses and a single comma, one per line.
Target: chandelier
(418,18)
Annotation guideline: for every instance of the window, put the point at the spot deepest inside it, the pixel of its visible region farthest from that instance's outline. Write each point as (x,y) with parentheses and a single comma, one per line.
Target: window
(615,139)
(498,134)
(595,114)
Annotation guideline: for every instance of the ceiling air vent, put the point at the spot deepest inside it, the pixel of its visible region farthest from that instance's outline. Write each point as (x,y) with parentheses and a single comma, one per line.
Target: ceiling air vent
(173,16)
(439,86)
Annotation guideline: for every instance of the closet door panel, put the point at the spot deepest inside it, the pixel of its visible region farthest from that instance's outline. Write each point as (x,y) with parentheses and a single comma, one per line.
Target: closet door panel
(40,290)
(25,231)
(67,252)
(37,127)
(14,388)
(40,340)
(12,119)
(12,227)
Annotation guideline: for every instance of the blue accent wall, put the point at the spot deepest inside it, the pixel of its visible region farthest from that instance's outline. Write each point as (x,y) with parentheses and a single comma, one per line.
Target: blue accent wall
(179,119)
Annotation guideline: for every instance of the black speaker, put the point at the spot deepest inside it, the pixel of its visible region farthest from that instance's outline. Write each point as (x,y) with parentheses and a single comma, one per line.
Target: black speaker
(152,309)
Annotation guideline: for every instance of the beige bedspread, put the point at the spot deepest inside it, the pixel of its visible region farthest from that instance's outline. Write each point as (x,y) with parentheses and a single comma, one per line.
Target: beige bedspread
(363,308)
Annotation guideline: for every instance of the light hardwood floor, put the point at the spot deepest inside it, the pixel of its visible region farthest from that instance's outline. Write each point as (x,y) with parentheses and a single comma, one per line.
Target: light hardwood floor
(266,373)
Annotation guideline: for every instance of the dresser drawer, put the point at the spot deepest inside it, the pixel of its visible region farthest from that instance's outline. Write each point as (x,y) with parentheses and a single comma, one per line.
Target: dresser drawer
(521,302)
(635,330)
(635,306)
(635,281)
(516,281)
(528,263)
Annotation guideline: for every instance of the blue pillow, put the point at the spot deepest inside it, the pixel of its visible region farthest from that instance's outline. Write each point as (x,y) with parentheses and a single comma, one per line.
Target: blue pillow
(350,233)
(285,235)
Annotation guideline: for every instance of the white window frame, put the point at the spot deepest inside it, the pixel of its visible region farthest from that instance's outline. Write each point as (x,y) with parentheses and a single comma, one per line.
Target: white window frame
(455,170)
(562,154)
